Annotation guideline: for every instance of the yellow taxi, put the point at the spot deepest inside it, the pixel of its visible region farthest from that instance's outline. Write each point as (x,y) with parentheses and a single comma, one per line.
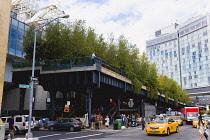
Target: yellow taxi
(177,119)
(162,126)
(195,123)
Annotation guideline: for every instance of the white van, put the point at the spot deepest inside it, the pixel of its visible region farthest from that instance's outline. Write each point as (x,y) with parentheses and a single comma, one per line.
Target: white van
(20,123)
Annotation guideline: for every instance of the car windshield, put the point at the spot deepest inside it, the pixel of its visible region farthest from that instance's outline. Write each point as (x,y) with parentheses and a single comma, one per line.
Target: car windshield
(160,121)
(78,120)
(207,118)
(192,114)
(176,118)
(26,118)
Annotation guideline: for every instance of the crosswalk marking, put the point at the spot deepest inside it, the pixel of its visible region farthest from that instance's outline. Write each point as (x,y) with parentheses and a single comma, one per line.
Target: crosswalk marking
(82,137)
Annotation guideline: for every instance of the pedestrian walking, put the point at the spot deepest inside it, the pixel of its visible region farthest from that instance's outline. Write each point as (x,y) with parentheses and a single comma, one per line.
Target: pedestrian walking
(92,121)
(101,119)
(97,123)
(11,127)
(125,121)
(201,129)
(143,122)
(149,120)
(107,122)
(93,57)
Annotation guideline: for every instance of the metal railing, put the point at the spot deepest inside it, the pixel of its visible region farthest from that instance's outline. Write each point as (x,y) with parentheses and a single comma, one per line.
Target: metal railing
(59,64)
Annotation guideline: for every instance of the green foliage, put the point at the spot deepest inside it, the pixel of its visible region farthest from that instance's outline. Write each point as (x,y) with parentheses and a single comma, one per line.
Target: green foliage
(171,89)
(136,86)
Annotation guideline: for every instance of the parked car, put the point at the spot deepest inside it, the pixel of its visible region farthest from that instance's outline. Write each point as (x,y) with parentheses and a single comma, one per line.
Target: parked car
(70,124)
(20,123)
(37,123)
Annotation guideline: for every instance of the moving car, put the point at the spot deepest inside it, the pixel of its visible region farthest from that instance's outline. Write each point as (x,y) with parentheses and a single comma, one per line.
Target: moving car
(162,126)
(207,119)
(195,123)
(70,124)
(177,119)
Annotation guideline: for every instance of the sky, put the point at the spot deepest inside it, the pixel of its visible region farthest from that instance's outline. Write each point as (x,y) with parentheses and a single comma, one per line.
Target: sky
(137,20)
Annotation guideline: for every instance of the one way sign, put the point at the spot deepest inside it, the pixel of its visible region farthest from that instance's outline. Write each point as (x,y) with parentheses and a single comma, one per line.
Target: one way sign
(66,109)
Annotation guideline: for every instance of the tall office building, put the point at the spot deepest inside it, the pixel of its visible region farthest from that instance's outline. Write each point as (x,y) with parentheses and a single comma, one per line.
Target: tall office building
(182,53)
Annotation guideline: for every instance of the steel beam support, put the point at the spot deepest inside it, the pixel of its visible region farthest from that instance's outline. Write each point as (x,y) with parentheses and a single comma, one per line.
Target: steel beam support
(89,94)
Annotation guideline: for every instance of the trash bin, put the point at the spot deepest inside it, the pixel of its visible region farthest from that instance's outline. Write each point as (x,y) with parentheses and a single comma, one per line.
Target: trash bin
(115,125)
(2,129)
(119,121)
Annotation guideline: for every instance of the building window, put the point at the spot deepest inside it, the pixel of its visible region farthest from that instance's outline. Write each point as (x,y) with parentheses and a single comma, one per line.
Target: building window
(190,77)
(205,33)
(206,41)
(200,67)
(193,45)
(195,84)
(195,76)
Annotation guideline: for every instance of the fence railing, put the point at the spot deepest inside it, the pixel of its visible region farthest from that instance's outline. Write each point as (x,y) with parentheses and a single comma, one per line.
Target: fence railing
(59,64)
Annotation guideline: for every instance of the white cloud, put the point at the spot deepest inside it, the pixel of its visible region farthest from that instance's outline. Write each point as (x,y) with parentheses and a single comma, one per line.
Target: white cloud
(141,18)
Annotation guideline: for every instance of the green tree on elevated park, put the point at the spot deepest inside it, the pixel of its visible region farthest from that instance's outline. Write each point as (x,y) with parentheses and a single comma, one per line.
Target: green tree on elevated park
(73,39)
(152,81)
(171,90)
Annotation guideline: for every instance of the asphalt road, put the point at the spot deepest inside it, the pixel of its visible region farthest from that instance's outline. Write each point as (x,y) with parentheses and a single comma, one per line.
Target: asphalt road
(186,132)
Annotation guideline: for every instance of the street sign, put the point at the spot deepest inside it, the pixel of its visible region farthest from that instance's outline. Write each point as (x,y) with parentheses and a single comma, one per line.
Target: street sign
(24,86)
(169,109)
(66,109)
(130,103)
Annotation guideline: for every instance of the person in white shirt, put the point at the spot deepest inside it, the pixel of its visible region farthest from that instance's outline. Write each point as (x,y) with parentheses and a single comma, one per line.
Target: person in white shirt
(107,122)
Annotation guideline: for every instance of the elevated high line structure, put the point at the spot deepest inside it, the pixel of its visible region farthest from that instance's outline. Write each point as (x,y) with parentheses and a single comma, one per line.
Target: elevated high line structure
(92,84)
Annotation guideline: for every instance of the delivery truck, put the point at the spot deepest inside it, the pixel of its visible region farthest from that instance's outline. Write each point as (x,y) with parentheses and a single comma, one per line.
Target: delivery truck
(189,113)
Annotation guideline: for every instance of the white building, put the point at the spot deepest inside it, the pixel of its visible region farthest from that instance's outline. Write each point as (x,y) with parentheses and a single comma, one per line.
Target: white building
(182,53)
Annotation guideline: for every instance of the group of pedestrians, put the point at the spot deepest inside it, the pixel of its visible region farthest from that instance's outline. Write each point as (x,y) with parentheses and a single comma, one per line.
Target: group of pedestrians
(97,121)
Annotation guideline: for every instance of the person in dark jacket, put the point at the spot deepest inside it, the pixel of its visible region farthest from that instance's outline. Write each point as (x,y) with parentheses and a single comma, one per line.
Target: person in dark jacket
(143,122)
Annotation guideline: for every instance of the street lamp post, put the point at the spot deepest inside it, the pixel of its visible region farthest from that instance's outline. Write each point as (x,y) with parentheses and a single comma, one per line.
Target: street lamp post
(32,75)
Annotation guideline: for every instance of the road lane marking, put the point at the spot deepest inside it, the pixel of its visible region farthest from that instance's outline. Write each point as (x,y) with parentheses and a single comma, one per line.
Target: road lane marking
(82,137)
(48,136)
(71,132)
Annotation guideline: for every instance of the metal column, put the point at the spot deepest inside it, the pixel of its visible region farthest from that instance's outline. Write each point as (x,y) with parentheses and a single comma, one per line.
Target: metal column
(89,93)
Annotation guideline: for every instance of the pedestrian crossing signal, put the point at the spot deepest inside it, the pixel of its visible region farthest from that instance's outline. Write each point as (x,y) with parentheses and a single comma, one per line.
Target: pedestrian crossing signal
(66,109)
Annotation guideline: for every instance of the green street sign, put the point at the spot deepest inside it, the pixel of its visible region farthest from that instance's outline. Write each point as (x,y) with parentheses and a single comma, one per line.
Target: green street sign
(24,86)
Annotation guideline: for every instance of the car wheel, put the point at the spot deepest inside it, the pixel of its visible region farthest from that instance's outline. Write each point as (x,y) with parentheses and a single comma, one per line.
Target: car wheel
(52,128)
(177,129)
(149,134)
(168,132)
(71,129)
